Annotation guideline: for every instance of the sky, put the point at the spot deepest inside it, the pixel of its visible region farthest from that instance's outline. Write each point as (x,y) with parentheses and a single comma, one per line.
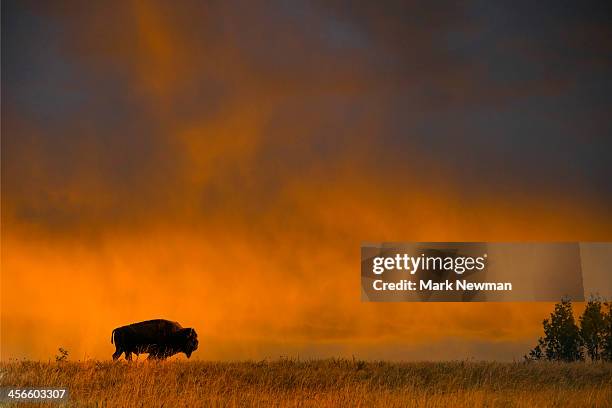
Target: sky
(219,164)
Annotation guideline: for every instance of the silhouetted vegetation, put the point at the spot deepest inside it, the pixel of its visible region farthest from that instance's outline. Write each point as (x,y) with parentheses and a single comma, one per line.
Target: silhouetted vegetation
(564,340)
(62,356)
(606,352)
(592,329)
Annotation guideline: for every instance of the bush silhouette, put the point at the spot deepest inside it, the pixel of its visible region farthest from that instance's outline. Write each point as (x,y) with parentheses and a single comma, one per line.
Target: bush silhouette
(62,356)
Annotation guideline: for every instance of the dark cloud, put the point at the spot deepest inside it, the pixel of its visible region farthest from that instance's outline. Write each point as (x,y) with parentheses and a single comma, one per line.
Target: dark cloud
(491,97)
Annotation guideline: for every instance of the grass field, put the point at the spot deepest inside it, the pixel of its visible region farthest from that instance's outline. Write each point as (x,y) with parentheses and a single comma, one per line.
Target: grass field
(318,383)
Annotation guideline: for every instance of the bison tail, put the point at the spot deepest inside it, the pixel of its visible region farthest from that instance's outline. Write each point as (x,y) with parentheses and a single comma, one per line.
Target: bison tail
(112,335)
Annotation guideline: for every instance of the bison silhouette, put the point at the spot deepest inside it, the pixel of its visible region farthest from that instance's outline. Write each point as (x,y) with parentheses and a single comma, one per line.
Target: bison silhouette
(159,338)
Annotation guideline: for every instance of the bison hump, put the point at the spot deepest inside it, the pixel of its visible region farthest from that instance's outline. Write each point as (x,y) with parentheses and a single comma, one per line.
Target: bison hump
(152,328)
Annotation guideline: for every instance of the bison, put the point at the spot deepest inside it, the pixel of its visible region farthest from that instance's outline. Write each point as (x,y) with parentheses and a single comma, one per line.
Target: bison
(159,338)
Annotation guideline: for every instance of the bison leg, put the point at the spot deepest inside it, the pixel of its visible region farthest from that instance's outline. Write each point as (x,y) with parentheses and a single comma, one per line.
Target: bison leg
(128,355)
(117,354)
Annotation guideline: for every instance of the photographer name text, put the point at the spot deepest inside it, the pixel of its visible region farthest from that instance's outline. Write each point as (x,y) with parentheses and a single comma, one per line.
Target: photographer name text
(422,284)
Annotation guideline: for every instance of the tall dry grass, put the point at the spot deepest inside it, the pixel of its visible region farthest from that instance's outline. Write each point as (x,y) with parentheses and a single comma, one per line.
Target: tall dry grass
(318,383)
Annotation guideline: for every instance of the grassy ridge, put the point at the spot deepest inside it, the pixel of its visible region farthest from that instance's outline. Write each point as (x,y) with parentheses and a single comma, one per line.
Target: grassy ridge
(319,383)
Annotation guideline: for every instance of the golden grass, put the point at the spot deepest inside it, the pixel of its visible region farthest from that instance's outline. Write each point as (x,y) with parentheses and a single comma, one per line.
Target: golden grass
(318,383)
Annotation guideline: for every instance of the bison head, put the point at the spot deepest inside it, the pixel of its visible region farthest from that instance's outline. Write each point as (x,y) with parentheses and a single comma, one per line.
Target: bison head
(188,341)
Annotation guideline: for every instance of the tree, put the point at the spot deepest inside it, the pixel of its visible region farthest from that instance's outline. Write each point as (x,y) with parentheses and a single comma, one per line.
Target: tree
(592,327)
(561,341)
(606,351)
